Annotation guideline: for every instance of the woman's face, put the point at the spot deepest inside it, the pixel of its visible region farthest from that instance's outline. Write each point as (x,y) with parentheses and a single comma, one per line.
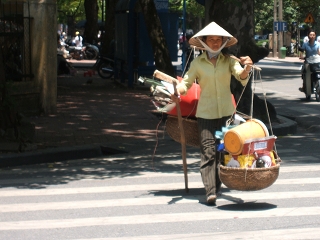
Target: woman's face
(214,42)
(312,36)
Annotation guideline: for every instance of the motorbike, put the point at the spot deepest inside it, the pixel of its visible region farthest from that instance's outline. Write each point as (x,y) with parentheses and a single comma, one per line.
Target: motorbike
(310,74)
(87,51)
(104,66)
(91,51)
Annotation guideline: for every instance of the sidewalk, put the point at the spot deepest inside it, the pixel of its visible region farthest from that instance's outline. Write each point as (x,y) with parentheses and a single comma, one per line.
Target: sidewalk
(93,112)
(95,117)
(286,59)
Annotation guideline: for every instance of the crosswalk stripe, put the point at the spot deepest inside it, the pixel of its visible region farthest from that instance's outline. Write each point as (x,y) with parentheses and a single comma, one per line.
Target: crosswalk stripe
(300,168)
(292,234)
(239,197)
(103,168)
(129,188)
(118,188)
(297,181)
(158,218)
(88,177)
(144,174)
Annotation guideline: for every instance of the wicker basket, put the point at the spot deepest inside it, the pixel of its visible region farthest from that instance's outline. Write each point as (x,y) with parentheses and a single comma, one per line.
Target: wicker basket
(248,179)
(190,128)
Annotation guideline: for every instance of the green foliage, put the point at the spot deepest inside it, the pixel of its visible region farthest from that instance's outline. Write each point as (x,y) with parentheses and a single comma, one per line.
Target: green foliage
(263,13)
(67,8)
(260,42)
(193,8)
(74,8)
(293,11)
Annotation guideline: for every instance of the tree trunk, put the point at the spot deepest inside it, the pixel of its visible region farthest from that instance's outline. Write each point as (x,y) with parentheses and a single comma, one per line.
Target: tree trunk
(2,78)
(237,17)
(159,44)
(91,28)
(108,36)
(71,26)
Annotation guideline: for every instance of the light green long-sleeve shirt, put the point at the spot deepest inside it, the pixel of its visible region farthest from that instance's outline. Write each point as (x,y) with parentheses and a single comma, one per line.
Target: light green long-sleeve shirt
(215,99)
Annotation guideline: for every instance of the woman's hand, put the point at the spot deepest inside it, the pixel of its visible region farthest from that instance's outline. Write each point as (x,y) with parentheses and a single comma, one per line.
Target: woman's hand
(247,68)
(175,98)
(246,60)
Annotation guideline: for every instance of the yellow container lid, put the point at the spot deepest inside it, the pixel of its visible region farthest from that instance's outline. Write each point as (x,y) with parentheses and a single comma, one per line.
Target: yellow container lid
(235,138)
(233,142)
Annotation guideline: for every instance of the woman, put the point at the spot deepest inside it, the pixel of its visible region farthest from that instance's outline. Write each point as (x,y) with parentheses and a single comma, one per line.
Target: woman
(213,71)
(312,48)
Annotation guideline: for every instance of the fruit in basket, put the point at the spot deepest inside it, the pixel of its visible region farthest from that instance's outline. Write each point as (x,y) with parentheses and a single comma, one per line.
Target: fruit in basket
(233,163)
(266,160)
(243,161)
(250,160)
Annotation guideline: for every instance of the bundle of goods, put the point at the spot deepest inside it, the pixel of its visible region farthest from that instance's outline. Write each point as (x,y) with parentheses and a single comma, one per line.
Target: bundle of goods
(250,163)
(161,92)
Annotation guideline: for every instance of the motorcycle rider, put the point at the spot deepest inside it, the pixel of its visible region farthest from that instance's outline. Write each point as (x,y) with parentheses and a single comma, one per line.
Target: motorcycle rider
(312,47)
(78,40)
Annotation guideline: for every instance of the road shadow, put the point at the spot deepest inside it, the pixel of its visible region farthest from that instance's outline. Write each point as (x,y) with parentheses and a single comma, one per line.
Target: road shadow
(247,206)
(132,163)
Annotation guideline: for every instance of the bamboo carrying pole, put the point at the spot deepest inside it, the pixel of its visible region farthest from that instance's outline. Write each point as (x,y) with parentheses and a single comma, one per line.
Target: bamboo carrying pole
(174,81)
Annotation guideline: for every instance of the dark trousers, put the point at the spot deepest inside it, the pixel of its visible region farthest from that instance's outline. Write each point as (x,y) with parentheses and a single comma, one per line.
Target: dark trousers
(209,161)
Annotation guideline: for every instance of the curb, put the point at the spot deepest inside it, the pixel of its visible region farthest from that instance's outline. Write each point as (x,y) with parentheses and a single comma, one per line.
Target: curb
(283,60)
(287,127)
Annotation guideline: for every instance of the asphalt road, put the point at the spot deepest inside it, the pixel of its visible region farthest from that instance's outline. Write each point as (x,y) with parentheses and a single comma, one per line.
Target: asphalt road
(141,195)
(280,82)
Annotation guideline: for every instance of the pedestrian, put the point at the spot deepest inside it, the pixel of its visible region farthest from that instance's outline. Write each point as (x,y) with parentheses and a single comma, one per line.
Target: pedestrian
(312,48)
(212,70)
(63,37)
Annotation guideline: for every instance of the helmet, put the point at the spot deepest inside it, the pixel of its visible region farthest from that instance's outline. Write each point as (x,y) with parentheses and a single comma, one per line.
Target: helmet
(77,33)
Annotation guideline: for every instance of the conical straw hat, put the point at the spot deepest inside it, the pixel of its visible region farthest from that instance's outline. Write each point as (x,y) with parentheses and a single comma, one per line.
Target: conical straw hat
(212,29)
